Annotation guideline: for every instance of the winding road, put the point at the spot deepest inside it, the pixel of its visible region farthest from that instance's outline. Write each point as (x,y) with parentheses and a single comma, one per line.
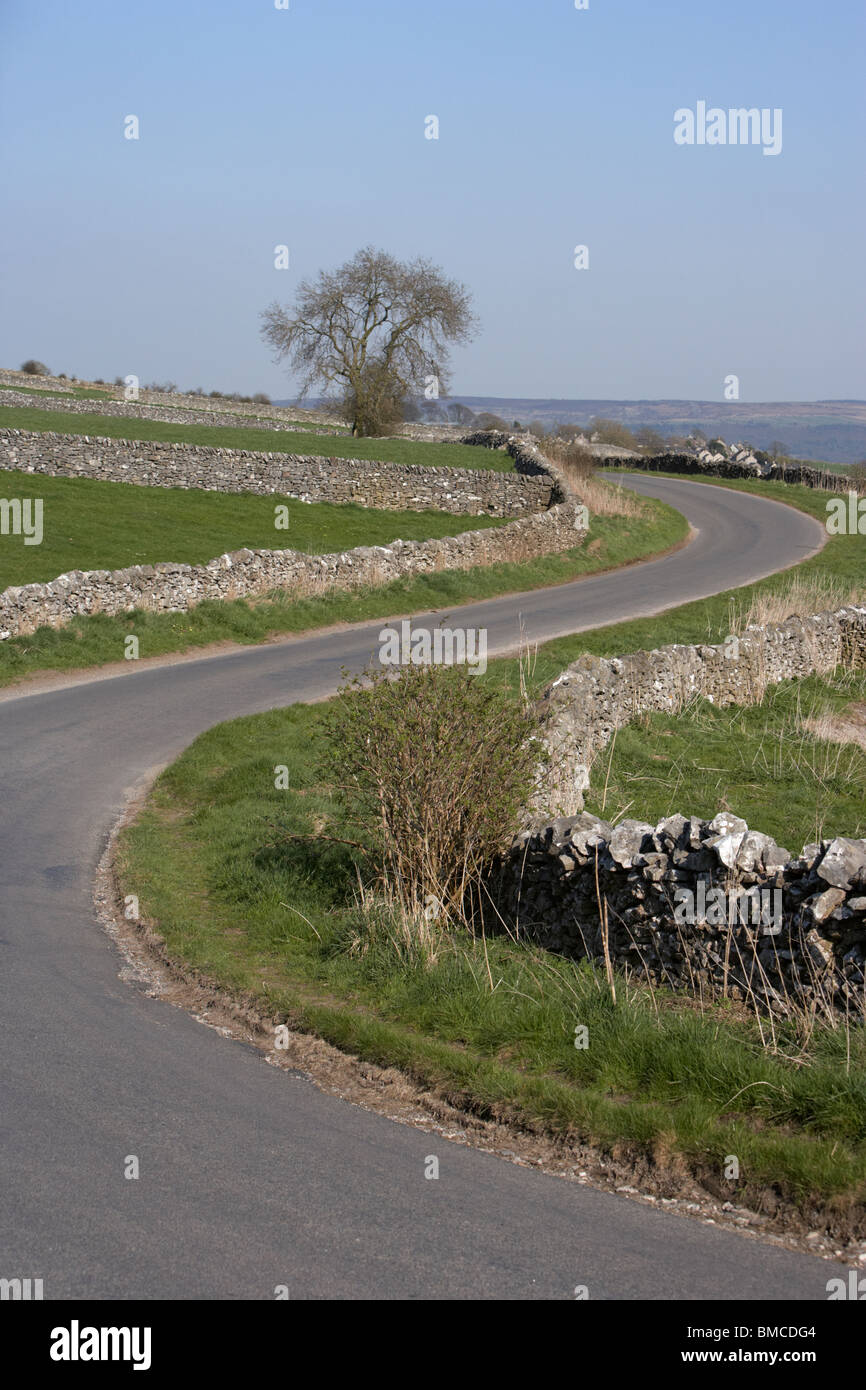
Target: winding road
(251,1177)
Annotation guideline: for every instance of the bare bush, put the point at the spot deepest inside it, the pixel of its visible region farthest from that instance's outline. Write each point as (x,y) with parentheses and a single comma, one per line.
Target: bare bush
(434,765)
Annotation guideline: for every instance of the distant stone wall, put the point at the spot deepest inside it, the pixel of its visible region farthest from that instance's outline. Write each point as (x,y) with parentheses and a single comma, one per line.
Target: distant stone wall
(393,486)
(215,405)
(596,695)
(250,573)
(705,906)
(772,472)
(226,418)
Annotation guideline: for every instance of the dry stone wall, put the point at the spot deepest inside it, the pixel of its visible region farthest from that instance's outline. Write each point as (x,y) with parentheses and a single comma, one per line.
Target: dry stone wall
(214,405)
(706,906)
(774,472)
(166,414)
(709,906)
(595,695)
(560,525)
(392,486)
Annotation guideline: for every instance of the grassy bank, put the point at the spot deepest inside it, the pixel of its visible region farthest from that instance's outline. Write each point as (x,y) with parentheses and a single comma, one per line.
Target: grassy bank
(673,1086)
(488,1025)
(92,525)
(283,441)
(611,541)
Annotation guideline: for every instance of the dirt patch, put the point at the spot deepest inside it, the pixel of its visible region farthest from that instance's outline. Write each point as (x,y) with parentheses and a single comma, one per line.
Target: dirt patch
(848,726)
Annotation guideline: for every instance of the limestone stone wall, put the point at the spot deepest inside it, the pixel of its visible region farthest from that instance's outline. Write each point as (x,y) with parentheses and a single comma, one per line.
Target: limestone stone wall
(391,486)
(711,907)
(595,695)
(774,472)
(227,417)
(556,522)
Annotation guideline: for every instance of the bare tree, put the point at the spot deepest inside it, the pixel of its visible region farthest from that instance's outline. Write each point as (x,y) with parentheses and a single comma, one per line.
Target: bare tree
(612,432)
(650,440)
(374,331)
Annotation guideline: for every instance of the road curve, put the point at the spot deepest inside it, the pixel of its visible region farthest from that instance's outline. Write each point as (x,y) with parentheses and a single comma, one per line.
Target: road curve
(251,1177)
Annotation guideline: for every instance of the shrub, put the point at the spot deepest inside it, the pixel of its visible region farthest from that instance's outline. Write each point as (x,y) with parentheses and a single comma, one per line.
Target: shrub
(34,368)
(433,766)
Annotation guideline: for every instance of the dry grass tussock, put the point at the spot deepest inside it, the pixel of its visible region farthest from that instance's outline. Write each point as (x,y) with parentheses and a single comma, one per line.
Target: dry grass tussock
(802,595)
(602,497)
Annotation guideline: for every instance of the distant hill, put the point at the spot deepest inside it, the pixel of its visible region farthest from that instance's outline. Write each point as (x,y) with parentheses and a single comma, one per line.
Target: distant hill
(829,431)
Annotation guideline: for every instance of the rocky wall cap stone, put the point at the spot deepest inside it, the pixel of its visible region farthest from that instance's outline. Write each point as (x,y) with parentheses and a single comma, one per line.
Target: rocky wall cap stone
(753,846)
(775,857)
(627,841)
(669,831)
(727,824)
(844,863)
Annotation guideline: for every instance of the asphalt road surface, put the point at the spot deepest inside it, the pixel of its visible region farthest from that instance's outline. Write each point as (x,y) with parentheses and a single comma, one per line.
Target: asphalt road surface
(251,1177)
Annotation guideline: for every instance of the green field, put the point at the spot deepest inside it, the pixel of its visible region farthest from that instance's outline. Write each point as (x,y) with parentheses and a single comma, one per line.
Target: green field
(412,451)
(91,525)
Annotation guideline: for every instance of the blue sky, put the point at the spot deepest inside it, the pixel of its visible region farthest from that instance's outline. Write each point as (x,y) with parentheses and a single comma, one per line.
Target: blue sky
(305,127)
